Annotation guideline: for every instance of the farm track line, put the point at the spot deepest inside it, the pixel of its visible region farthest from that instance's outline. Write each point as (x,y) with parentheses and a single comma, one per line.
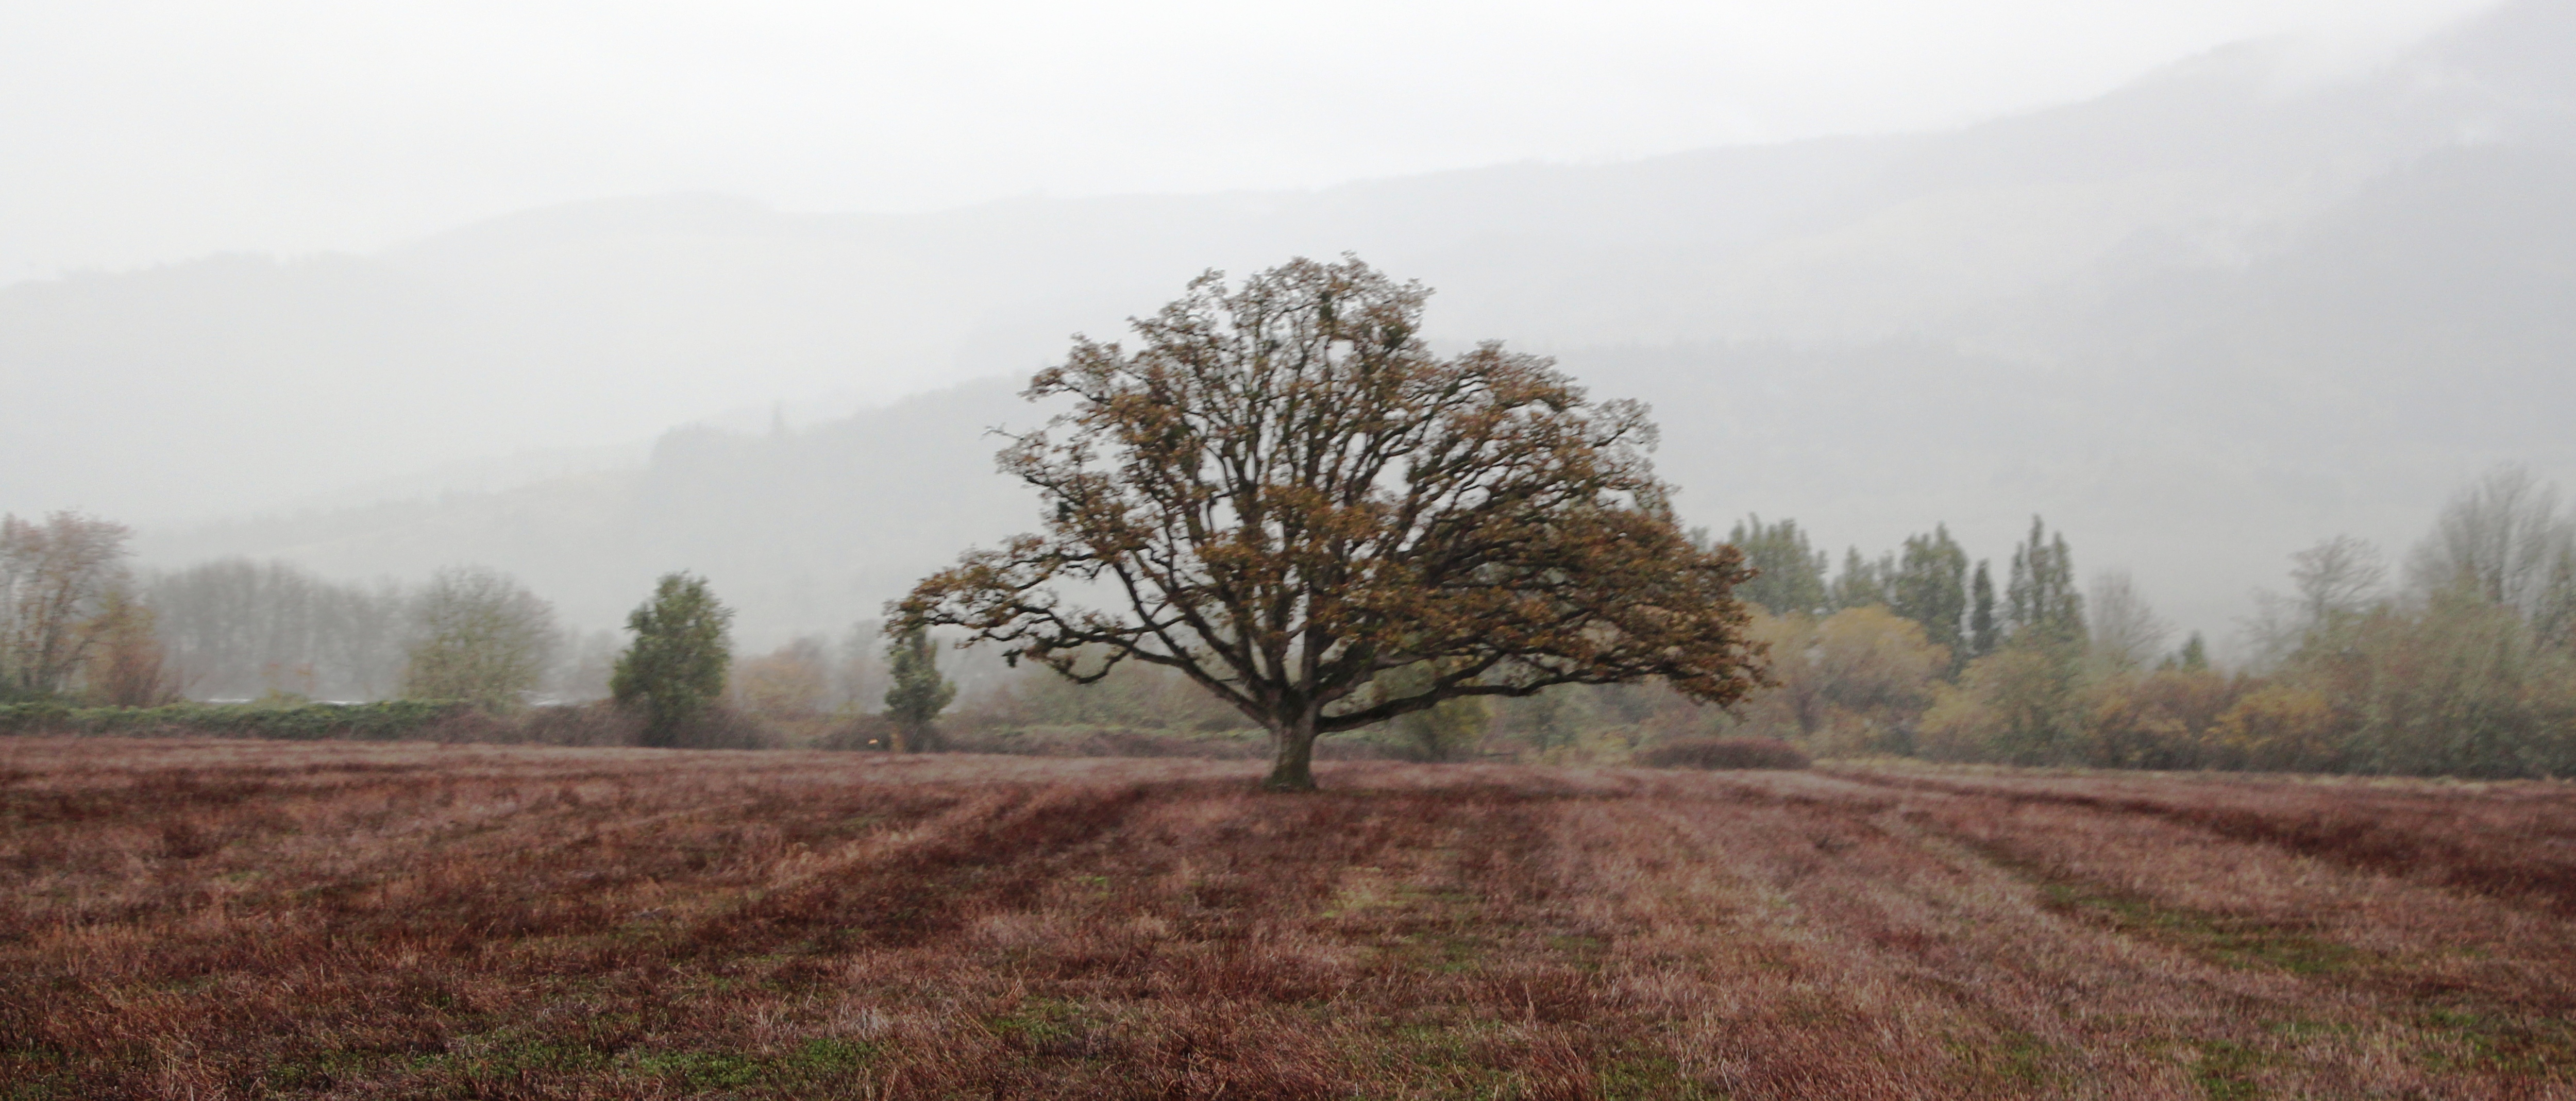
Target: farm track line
(2353,842)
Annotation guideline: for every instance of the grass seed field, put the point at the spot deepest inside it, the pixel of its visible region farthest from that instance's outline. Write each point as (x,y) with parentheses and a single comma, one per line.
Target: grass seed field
(211,919)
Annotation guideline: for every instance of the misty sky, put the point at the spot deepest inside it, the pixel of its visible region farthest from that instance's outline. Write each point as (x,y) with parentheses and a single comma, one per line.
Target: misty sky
(144,133)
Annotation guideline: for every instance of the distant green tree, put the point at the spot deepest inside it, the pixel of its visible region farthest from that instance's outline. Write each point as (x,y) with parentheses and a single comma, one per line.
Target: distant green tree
(919,693)
(677,664)
(2031,696)
(2195,654)
(2027,689)
(2041,604)
(1930,587)
(1792,573)
(1984,633)
(1863,583)
(1445,731)
(1549,719)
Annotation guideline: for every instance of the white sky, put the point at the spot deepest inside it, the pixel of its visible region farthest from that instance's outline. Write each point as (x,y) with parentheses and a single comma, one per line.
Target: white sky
(146,132)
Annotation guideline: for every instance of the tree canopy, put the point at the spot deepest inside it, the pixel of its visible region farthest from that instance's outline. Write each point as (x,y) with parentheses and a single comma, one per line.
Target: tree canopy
(481,637)
(1284,494)
(54,574)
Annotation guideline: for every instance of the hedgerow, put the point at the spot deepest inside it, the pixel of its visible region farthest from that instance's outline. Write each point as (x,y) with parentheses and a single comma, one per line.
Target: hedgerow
(388,720)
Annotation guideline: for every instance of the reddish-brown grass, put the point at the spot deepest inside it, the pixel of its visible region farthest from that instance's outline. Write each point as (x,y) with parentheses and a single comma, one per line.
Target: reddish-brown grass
(208,919)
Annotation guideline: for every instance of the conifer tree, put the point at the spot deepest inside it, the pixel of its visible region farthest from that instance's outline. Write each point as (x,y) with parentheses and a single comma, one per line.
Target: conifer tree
(919,693)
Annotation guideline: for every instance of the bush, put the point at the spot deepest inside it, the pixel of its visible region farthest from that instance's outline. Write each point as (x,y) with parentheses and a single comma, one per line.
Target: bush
(1723,753)
(1091,741)
(713,726)
(584,724)
(386,721)
(859,733)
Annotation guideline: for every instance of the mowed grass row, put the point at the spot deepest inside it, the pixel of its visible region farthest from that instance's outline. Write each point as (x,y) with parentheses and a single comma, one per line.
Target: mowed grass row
(223,919)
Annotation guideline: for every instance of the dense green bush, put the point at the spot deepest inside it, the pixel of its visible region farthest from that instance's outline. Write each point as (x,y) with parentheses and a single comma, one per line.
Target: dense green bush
(386,721)
(1723,753)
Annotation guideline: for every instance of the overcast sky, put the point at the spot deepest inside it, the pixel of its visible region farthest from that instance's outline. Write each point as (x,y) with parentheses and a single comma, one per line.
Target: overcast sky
(146,132)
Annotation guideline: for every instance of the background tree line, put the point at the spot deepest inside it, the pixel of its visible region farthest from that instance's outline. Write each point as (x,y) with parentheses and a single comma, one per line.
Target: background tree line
(2458,659)
(2465,665)
(79,627)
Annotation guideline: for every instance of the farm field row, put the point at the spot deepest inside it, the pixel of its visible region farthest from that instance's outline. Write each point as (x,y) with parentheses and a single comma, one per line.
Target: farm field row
(213,919)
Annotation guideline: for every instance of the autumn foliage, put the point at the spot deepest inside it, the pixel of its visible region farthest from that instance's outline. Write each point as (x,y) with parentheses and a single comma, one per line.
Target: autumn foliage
(1283,494)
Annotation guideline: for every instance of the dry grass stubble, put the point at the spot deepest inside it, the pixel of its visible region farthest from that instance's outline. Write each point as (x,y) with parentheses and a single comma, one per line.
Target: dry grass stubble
(210,919)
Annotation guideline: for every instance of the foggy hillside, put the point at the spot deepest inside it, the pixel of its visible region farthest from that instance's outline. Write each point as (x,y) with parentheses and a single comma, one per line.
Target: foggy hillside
(2200,322)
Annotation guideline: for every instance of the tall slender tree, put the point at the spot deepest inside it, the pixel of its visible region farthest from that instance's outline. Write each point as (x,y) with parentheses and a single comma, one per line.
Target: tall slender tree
(1863,583)
(2041,603)
(918,694)
(1985,632)
(1788,572)
(1930,587)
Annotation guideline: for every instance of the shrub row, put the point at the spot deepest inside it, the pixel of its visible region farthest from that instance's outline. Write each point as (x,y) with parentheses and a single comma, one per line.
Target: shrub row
(1723,753)
(385,721)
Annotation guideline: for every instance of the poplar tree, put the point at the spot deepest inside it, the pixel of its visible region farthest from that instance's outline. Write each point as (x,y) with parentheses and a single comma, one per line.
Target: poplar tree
(1984,633)
(2041,604)
(919,693)
(2032,682)
(1930,587)
(1789,574)
(1863,583)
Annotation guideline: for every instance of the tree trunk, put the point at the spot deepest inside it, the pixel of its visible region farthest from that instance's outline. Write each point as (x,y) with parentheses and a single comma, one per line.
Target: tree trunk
(1294,768)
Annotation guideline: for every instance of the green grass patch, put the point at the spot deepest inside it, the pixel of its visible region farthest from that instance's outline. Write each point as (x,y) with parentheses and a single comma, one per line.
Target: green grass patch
(1630,1076)
(812,1062)
(2225,1070)
(2241,943)
(2477,1040)
(2237,942)
(1040,1025)
(2009,1055)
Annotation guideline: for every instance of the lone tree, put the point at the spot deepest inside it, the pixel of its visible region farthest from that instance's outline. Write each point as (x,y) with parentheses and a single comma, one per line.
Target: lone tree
(1287,497)
(677,663)
(919,693)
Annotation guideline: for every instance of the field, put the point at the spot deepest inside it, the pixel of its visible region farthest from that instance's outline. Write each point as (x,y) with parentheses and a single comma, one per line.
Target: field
(211,919)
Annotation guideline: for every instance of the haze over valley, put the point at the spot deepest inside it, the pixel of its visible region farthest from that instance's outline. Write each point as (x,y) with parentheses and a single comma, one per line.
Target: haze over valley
(2199,322)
